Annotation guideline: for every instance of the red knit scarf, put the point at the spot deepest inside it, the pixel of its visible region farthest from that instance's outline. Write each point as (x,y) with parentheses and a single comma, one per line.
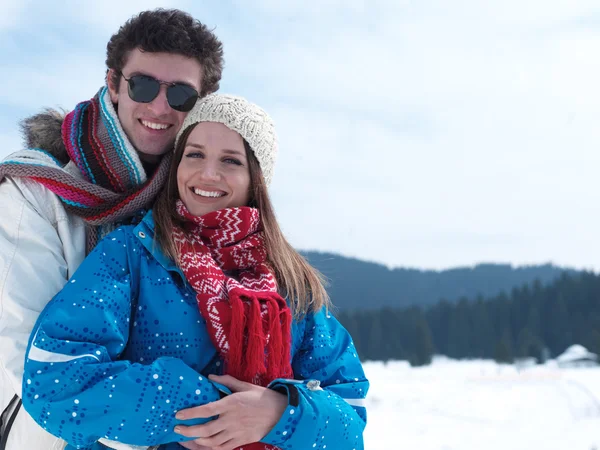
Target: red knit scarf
(248,321)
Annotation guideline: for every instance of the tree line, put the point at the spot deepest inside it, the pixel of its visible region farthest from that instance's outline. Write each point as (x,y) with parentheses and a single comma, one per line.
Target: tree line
(357,284)
(533,320)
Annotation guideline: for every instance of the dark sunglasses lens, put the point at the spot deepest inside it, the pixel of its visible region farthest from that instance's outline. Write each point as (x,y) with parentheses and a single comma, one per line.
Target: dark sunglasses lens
(182,97)
(143,89)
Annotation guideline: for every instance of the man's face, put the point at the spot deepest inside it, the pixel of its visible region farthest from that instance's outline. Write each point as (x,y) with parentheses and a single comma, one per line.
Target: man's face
(152,127)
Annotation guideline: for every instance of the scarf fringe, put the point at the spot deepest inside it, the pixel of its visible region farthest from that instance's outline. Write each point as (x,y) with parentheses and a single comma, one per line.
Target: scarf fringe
(256,348)
(234,362)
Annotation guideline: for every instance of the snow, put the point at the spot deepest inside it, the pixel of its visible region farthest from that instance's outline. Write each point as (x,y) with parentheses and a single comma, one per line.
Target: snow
(576,352)
(480,405)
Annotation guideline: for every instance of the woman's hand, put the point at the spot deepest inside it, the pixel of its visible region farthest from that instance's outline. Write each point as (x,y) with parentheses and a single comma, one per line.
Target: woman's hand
(191,445)
(245,416)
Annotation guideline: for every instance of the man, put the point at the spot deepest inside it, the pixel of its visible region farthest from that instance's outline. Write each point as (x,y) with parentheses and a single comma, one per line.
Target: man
(83,174)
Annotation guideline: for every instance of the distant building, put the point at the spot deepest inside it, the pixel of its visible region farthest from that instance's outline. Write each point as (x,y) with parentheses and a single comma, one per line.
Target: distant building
(577,356)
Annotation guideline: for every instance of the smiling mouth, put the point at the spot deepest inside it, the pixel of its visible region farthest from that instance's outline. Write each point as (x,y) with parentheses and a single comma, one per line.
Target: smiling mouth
(208,194)
(154,125)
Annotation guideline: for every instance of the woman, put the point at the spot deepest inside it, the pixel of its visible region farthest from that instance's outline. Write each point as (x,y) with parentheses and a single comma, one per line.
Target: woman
(123,354)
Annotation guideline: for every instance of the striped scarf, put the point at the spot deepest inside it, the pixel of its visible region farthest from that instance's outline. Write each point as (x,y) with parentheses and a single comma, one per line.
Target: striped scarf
(111,185)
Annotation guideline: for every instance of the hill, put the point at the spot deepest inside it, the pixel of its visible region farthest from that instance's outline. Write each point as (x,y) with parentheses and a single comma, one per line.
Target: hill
(356,284)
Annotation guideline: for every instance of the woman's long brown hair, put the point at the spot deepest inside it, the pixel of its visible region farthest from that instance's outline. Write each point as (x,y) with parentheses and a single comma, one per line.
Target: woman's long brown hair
(301,283)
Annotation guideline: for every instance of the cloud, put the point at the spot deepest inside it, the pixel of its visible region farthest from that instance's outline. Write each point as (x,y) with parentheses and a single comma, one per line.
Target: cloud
(422,134)
(10,12)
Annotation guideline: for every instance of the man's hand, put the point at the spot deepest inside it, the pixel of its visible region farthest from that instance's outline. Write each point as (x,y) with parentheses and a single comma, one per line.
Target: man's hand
(245,416)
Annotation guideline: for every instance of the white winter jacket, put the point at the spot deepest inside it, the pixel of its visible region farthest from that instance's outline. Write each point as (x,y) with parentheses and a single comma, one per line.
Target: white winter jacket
(41,245)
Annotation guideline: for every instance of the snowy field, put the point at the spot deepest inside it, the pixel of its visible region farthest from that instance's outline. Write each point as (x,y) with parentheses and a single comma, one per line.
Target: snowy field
(480,405)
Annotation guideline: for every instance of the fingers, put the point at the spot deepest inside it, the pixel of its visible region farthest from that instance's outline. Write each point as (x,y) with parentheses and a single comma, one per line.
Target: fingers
(231,445)
(205,430)
(232,383)
(228,444)
(191,445)
(214,441)
(220,406)
(204,411)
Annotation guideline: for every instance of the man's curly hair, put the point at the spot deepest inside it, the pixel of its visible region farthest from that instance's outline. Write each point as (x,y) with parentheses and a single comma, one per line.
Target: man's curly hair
(168,31)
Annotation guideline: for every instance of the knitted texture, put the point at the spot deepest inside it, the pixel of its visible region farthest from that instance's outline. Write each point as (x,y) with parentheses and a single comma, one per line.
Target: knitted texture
(243,117)
(113,186)
(249,322)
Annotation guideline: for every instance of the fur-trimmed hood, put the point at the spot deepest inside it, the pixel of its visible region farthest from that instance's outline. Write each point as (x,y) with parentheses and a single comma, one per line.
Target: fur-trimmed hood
(43,131)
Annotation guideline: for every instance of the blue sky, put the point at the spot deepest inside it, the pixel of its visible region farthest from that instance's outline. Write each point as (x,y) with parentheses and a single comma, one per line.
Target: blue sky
(426,133)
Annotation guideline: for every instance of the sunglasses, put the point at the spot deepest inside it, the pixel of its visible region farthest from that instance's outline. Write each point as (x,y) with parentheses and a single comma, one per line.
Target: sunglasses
(144,89)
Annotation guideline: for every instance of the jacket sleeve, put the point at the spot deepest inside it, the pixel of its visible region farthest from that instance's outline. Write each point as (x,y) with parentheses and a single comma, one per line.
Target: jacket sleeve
(326,404)
(33,266)
(76,387)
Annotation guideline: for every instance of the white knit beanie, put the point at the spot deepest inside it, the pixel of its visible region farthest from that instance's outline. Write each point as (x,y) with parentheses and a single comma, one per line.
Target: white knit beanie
(243,117)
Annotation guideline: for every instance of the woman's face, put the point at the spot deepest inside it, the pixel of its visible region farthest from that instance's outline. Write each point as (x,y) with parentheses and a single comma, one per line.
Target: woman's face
(213,173)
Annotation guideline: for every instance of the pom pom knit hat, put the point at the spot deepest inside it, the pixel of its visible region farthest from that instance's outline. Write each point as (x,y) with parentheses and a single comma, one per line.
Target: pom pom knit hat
(247,119)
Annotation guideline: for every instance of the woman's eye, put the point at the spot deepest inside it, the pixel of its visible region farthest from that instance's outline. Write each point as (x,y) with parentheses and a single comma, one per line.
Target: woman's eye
(194,155)
(237,162)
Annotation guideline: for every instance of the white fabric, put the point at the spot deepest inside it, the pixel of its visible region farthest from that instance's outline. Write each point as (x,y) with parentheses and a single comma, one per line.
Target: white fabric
(120,446)
(40,247)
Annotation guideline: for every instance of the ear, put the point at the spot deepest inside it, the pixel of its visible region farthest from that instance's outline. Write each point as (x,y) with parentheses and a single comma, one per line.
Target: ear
(112,89)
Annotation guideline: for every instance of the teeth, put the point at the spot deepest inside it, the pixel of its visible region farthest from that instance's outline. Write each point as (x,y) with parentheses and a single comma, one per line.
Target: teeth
(155,126)
(208,193)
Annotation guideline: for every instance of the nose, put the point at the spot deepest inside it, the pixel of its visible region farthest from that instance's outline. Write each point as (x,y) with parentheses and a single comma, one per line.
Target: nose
(209,172)
(160,105)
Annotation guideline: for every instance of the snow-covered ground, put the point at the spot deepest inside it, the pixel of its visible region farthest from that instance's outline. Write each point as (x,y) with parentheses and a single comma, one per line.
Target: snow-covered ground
(480,405)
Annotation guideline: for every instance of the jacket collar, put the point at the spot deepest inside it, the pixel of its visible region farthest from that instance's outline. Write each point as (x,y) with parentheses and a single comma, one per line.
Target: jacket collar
(144,232)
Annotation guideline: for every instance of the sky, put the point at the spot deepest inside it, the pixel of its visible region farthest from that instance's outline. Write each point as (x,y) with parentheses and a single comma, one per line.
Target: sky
(426,134)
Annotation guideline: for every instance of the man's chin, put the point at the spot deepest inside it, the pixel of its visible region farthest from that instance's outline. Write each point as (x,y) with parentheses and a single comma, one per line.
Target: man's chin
(151,154)
(151,158)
